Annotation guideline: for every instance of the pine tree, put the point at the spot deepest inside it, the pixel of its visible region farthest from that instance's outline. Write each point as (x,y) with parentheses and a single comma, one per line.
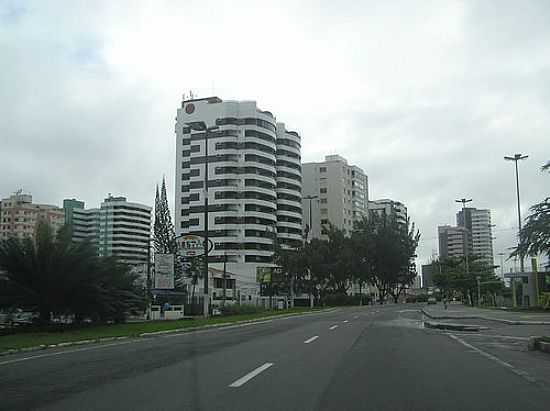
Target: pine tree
(164,229)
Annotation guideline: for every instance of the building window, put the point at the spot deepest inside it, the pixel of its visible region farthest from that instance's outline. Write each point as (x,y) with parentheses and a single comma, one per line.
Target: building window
(322,169)
(193,221)
(323,190)
(195,148)
(323,200)
(324,210)
(195,172)
(194,197)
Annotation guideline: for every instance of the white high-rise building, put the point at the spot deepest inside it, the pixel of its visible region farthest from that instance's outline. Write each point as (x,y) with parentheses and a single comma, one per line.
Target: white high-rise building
(386,207)
(118,228)
(338,193)
(478,223)
(254,182)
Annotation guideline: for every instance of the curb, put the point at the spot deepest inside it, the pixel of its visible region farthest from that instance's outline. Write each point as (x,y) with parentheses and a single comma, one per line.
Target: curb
(536,343)
(158,333)
(453,327)
(480,317)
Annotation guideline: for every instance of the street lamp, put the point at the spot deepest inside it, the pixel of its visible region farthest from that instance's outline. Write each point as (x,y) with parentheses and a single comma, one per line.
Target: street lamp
(466,249)
(201,126)
(515,159)
(310,198)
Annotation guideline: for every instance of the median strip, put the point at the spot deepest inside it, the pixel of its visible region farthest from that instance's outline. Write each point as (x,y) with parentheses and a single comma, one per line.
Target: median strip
(243,380)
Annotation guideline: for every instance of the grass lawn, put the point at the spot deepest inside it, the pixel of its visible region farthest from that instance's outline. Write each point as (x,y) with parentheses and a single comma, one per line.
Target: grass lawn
(31,339)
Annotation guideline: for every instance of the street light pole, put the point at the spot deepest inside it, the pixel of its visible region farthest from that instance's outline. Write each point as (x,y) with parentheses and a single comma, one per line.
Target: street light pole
(466,249)
(201,126)
(515,159)
(310,198)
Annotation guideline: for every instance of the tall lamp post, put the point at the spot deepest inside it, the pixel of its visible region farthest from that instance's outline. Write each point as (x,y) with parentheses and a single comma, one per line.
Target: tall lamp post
(310,198)
(515,159)
(466,242)
(201,126)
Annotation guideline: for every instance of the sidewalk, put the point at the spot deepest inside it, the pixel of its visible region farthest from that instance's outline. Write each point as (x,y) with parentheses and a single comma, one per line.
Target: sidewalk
(459,311)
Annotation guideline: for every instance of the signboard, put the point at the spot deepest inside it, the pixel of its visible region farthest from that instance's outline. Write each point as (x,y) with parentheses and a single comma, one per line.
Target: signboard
(263,274)
(164,271)
(269,274)
(190,245)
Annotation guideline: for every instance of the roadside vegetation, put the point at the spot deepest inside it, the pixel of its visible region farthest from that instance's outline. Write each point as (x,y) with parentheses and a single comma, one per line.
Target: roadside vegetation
(31,338)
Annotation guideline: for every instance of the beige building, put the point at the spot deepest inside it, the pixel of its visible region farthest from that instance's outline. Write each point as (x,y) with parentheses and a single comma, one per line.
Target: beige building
(334,192)
(19,216)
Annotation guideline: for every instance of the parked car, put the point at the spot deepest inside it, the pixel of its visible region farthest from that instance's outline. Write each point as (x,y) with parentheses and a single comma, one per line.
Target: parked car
(432,300)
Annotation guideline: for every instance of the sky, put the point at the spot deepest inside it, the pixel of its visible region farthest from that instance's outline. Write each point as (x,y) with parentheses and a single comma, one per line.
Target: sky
(426,96)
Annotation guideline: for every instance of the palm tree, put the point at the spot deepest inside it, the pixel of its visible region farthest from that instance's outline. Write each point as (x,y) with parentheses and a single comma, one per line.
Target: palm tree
(55,275)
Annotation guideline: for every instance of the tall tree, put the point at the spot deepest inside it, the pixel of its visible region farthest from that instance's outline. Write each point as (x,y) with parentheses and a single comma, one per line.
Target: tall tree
(164,235)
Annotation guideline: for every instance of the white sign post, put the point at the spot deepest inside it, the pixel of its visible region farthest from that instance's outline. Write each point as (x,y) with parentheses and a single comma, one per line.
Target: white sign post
(164,271)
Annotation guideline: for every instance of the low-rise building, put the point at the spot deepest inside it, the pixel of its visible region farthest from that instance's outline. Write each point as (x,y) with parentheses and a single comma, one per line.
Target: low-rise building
(19,216)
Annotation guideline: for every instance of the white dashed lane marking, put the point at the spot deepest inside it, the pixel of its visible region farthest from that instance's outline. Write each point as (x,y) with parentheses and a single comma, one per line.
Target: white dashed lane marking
(243,380)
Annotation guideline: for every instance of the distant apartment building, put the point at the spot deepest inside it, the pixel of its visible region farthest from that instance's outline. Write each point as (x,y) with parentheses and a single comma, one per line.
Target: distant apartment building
(117,228)
(254,182)
(19,216)
(333,192)
(454,241)
(387,207)
(478,223)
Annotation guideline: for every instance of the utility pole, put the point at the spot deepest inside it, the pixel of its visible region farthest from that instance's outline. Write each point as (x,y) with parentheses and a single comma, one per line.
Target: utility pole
(224,279)
(466,242)
(201,126)
(515,159)
(148,308)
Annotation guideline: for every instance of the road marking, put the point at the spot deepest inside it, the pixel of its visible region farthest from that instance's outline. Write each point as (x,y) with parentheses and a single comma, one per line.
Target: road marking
(493,358)
(333,327)
(311,339)
(250,375)
(346,321)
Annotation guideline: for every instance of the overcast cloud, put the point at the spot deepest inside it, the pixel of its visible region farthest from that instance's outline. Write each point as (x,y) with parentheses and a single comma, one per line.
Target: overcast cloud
(426,97)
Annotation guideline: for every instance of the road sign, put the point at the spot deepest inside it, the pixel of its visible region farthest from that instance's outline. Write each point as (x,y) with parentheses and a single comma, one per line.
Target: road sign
(190,245)
(164,271)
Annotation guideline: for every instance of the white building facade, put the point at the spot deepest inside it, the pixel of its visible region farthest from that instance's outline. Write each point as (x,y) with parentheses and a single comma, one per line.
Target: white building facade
(334,192)
(254,182)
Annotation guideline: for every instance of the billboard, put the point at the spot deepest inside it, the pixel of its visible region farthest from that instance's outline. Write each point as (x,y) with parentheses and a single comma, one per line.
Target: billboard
(164,271)
(190,245)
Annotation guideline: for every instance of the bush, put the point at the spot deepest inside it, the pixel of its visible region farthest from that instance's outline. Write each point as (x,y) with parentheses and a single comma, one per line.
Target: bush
(422,298)
(411,299)
(342,299)
(235,309)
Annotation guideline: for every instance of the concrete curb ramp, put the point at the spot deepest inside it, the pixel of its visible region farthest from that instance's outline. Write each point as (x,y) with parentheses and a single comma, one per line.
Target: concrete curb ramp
(453,327)
(158,333)
(538,344)
(480,317)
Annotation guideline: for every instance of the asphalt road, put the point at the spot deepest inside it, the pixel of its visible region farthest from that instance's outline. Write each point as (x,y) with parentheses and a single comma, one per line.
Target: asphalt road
(365,358)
